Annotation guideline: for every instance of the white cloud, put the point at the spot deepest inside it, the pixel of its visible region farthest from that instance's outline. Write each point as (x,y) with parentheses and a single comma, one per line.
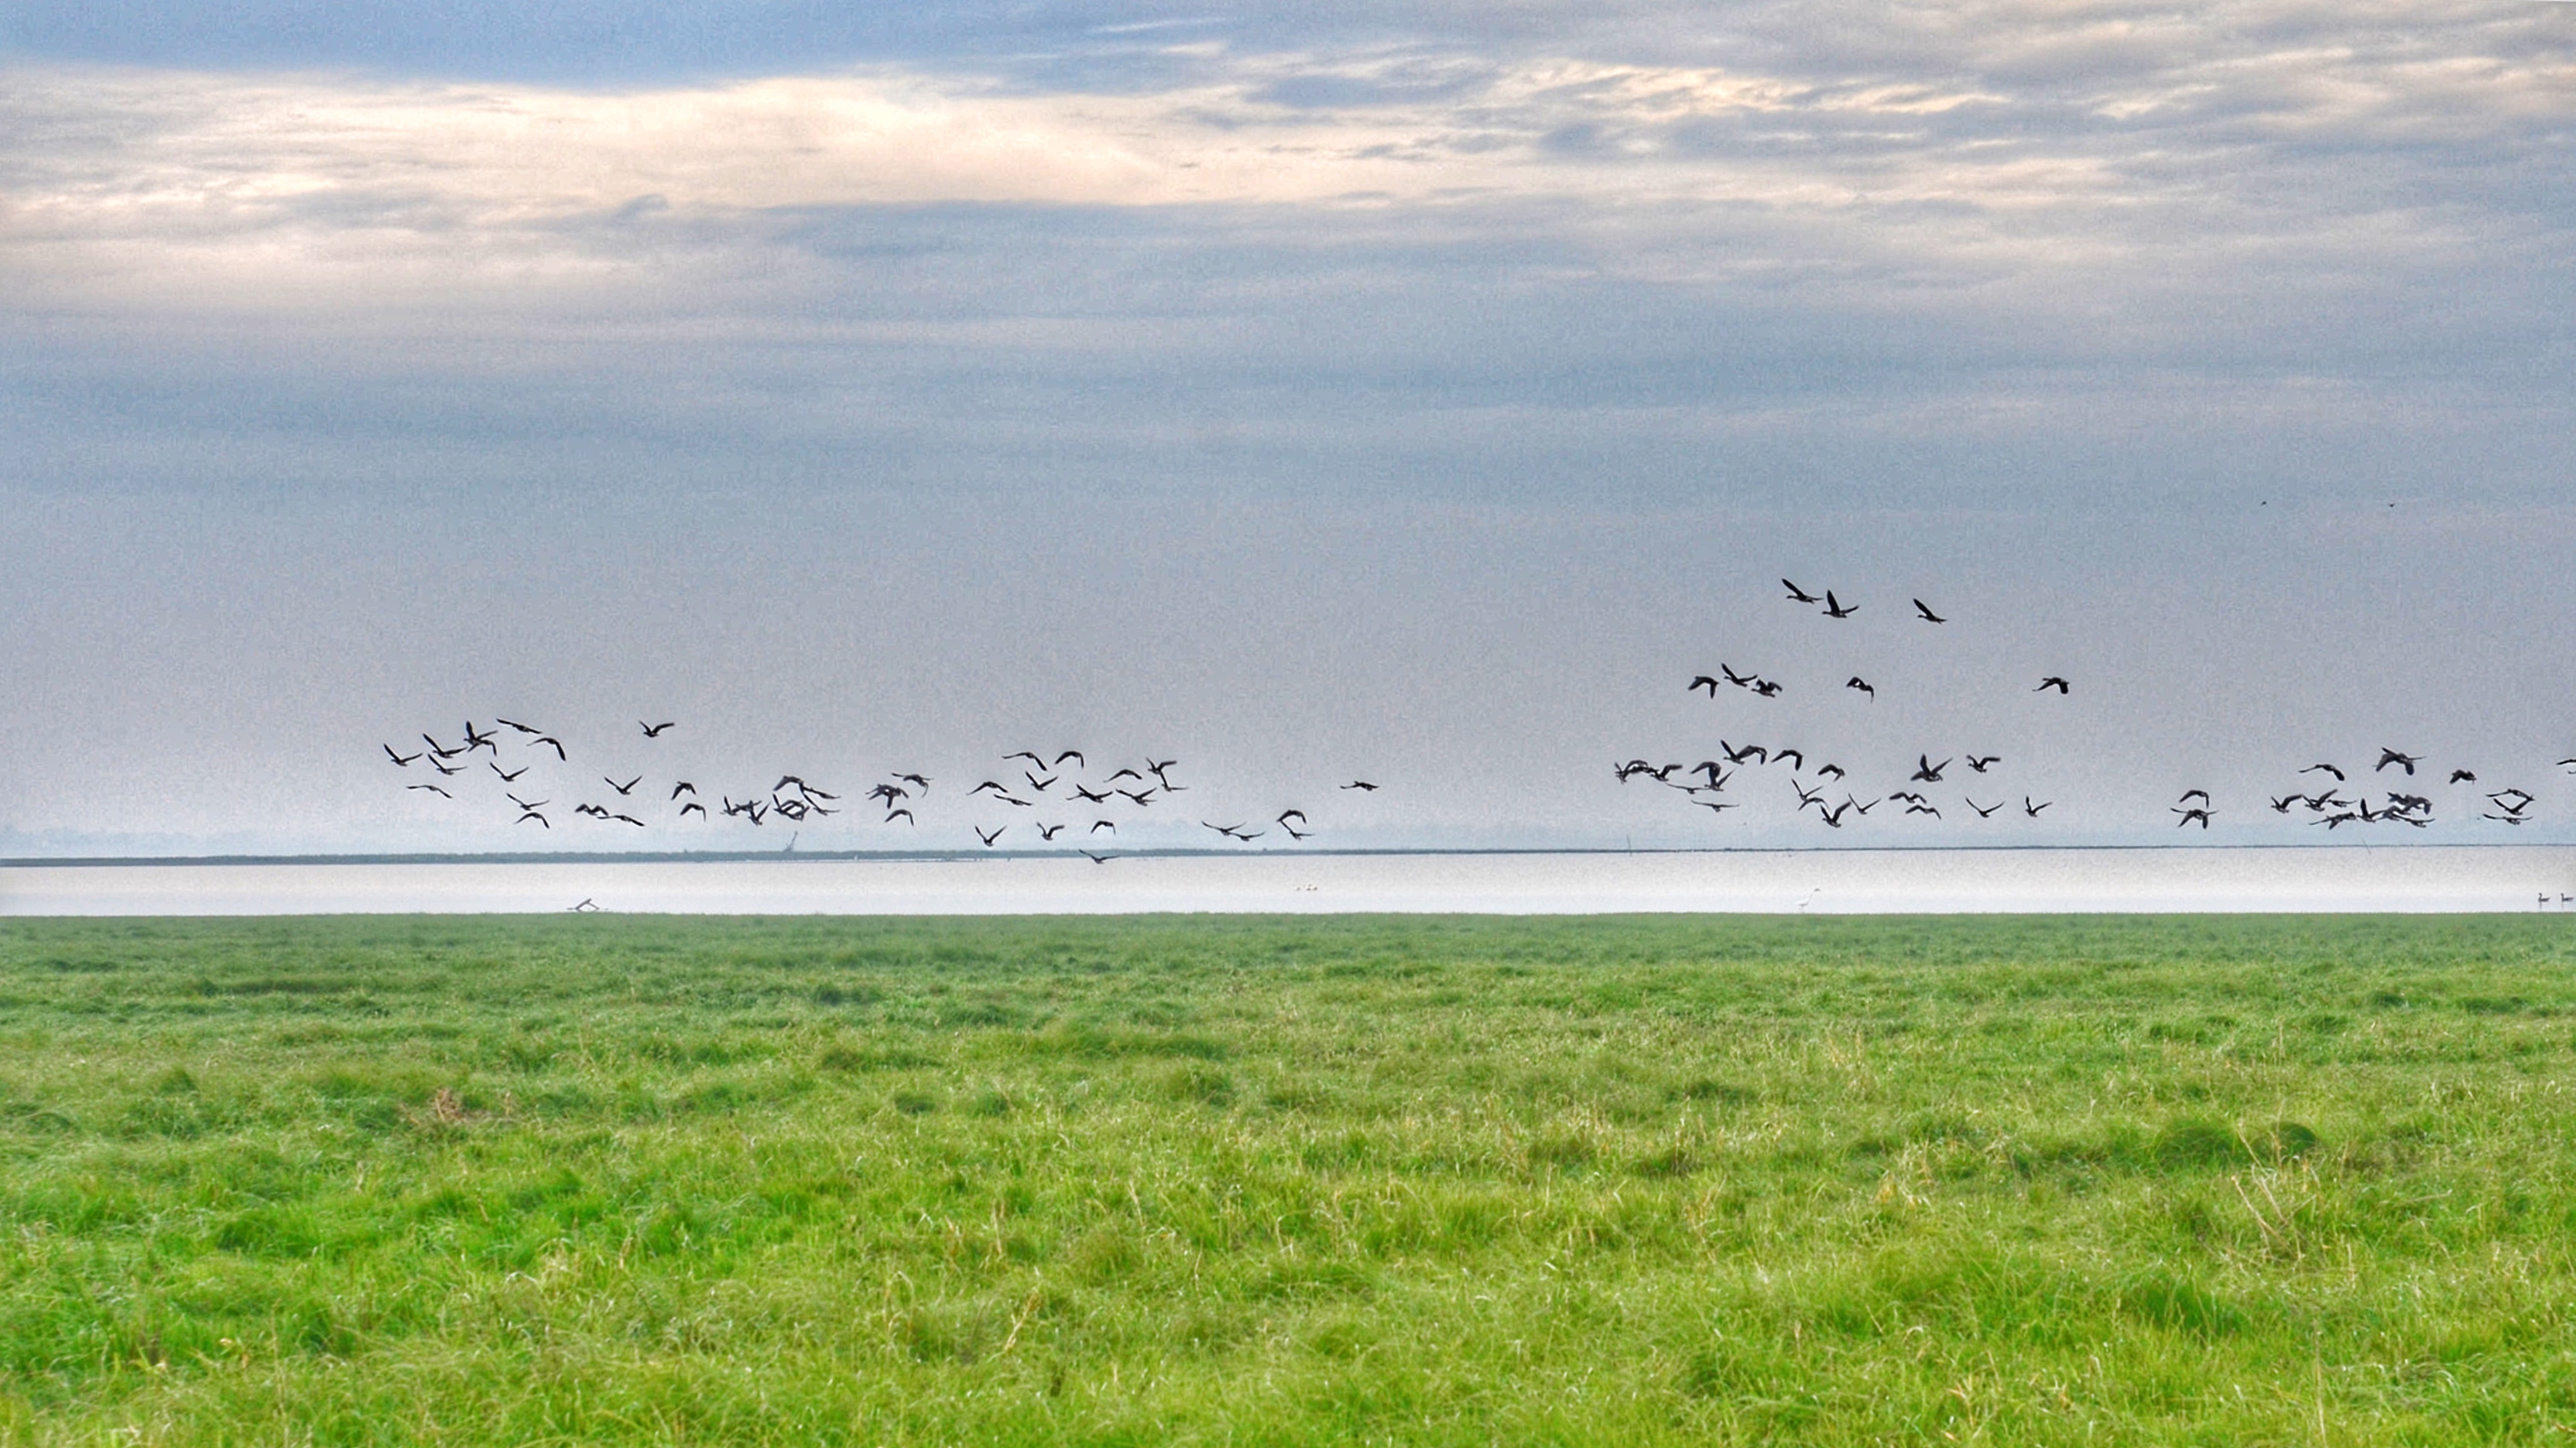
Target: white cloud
(2025,136)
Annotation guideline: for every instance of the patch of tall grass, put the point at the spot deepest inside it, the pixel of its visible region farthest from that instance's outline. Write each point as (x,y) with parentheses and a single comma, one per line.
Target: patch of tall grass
(1279,1180)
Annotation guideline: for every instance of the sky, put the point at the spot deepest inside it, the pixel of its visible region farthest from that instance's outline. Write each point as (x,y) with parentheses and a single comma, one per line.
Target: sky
(1420,393)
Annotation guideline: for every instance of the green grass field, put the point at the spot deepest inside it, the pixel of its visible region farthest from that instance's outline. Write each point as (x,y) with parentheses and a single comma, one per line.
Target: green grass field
(1421,1180)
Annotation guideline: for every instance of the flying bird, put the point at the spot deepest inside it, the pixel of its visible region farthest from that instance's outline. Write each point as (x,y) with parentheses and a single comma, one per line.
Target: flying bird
(654,731)
(1983,762)
(1049,832)
(402,759)
(2188,793)
(1797,594)
(2189,815)
(1857,682)
(550,742)
(1284,815)
(1985,811)
(1073,754)
(1361,784)
(989,839)
(1928,772)
(915,779)
(433,789)
(2051,682)
(628,818)
(1098,825)
(1925,610)
(1836,608)
(683,787)
(525,803)
(533,815)
(515,724)
(2462,776)
(2033,810)
(692,805)
(903,814)
(1098,859)
(2325,768)
(1701,681)
(508,777)
(2388,756)
(627,788)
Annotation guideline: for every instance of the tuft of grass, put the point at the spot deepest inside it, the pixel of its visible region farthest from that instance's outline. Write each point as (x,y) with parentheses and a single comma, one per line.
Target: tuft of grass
(1422,1180)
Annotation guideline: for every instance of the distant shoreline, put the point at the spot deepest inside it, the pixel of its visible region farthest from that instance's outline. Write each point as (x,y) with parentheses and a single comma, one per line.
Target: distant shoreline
(686,857)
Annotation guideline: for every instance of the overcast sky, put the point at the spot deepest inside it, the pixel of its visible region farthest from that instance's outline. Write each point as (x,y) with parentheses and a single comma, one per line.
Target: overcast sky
(1420,393)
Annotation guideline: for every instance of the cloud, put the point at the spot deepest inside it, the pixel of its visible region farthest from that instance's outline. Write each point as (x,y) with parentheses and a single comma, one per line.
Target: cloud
(2015,135)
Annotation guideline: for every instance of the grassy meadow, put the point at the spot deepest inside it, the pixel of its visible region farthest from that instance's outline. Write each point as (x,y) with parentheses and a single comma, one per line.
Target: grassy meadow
(1254,1181)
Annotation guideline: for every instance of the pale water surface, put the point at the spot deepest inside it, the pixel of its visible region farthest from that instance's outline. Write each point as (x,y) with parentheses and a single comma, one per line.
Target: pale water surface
(1817,881)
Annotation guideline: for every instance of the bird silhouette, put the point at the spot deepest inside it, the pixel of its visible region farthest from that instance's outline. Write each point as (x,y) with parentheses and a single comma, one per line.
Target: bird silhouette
(1701,681)
(1985,811)
(628,819)
(989,839)
(509,776)
(402,759)
(1073,754)
(528,804)
(2051,682)
(1797,594)
(1287,814)
(681,788)
(1857,682)
(1983,762)
(550,742)
(2189,815)
(904,814)
(1926,771)
(627,788)
(515,724)
(433,789)
(2033,810)
(1925,610)
(1049,832)
(2324,769)
(2188,794)
(1797,756)
(915,780)
(533,815)
(1361,784)
(1098,825)
(692,805)
(1836,608)
(2388,756)
(654,731)
(1098,859)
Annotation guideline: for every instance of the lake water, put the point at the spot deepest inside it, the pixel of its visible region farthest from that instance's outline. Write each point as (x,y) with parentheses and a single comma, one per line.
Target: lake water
(1817,881)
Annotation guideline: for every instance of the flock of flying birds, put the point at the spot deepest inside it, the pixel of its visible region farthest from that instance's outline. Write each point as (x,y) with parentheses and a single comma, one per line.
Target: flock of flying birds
(1814,782)
(1029,783)
(1033,796)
